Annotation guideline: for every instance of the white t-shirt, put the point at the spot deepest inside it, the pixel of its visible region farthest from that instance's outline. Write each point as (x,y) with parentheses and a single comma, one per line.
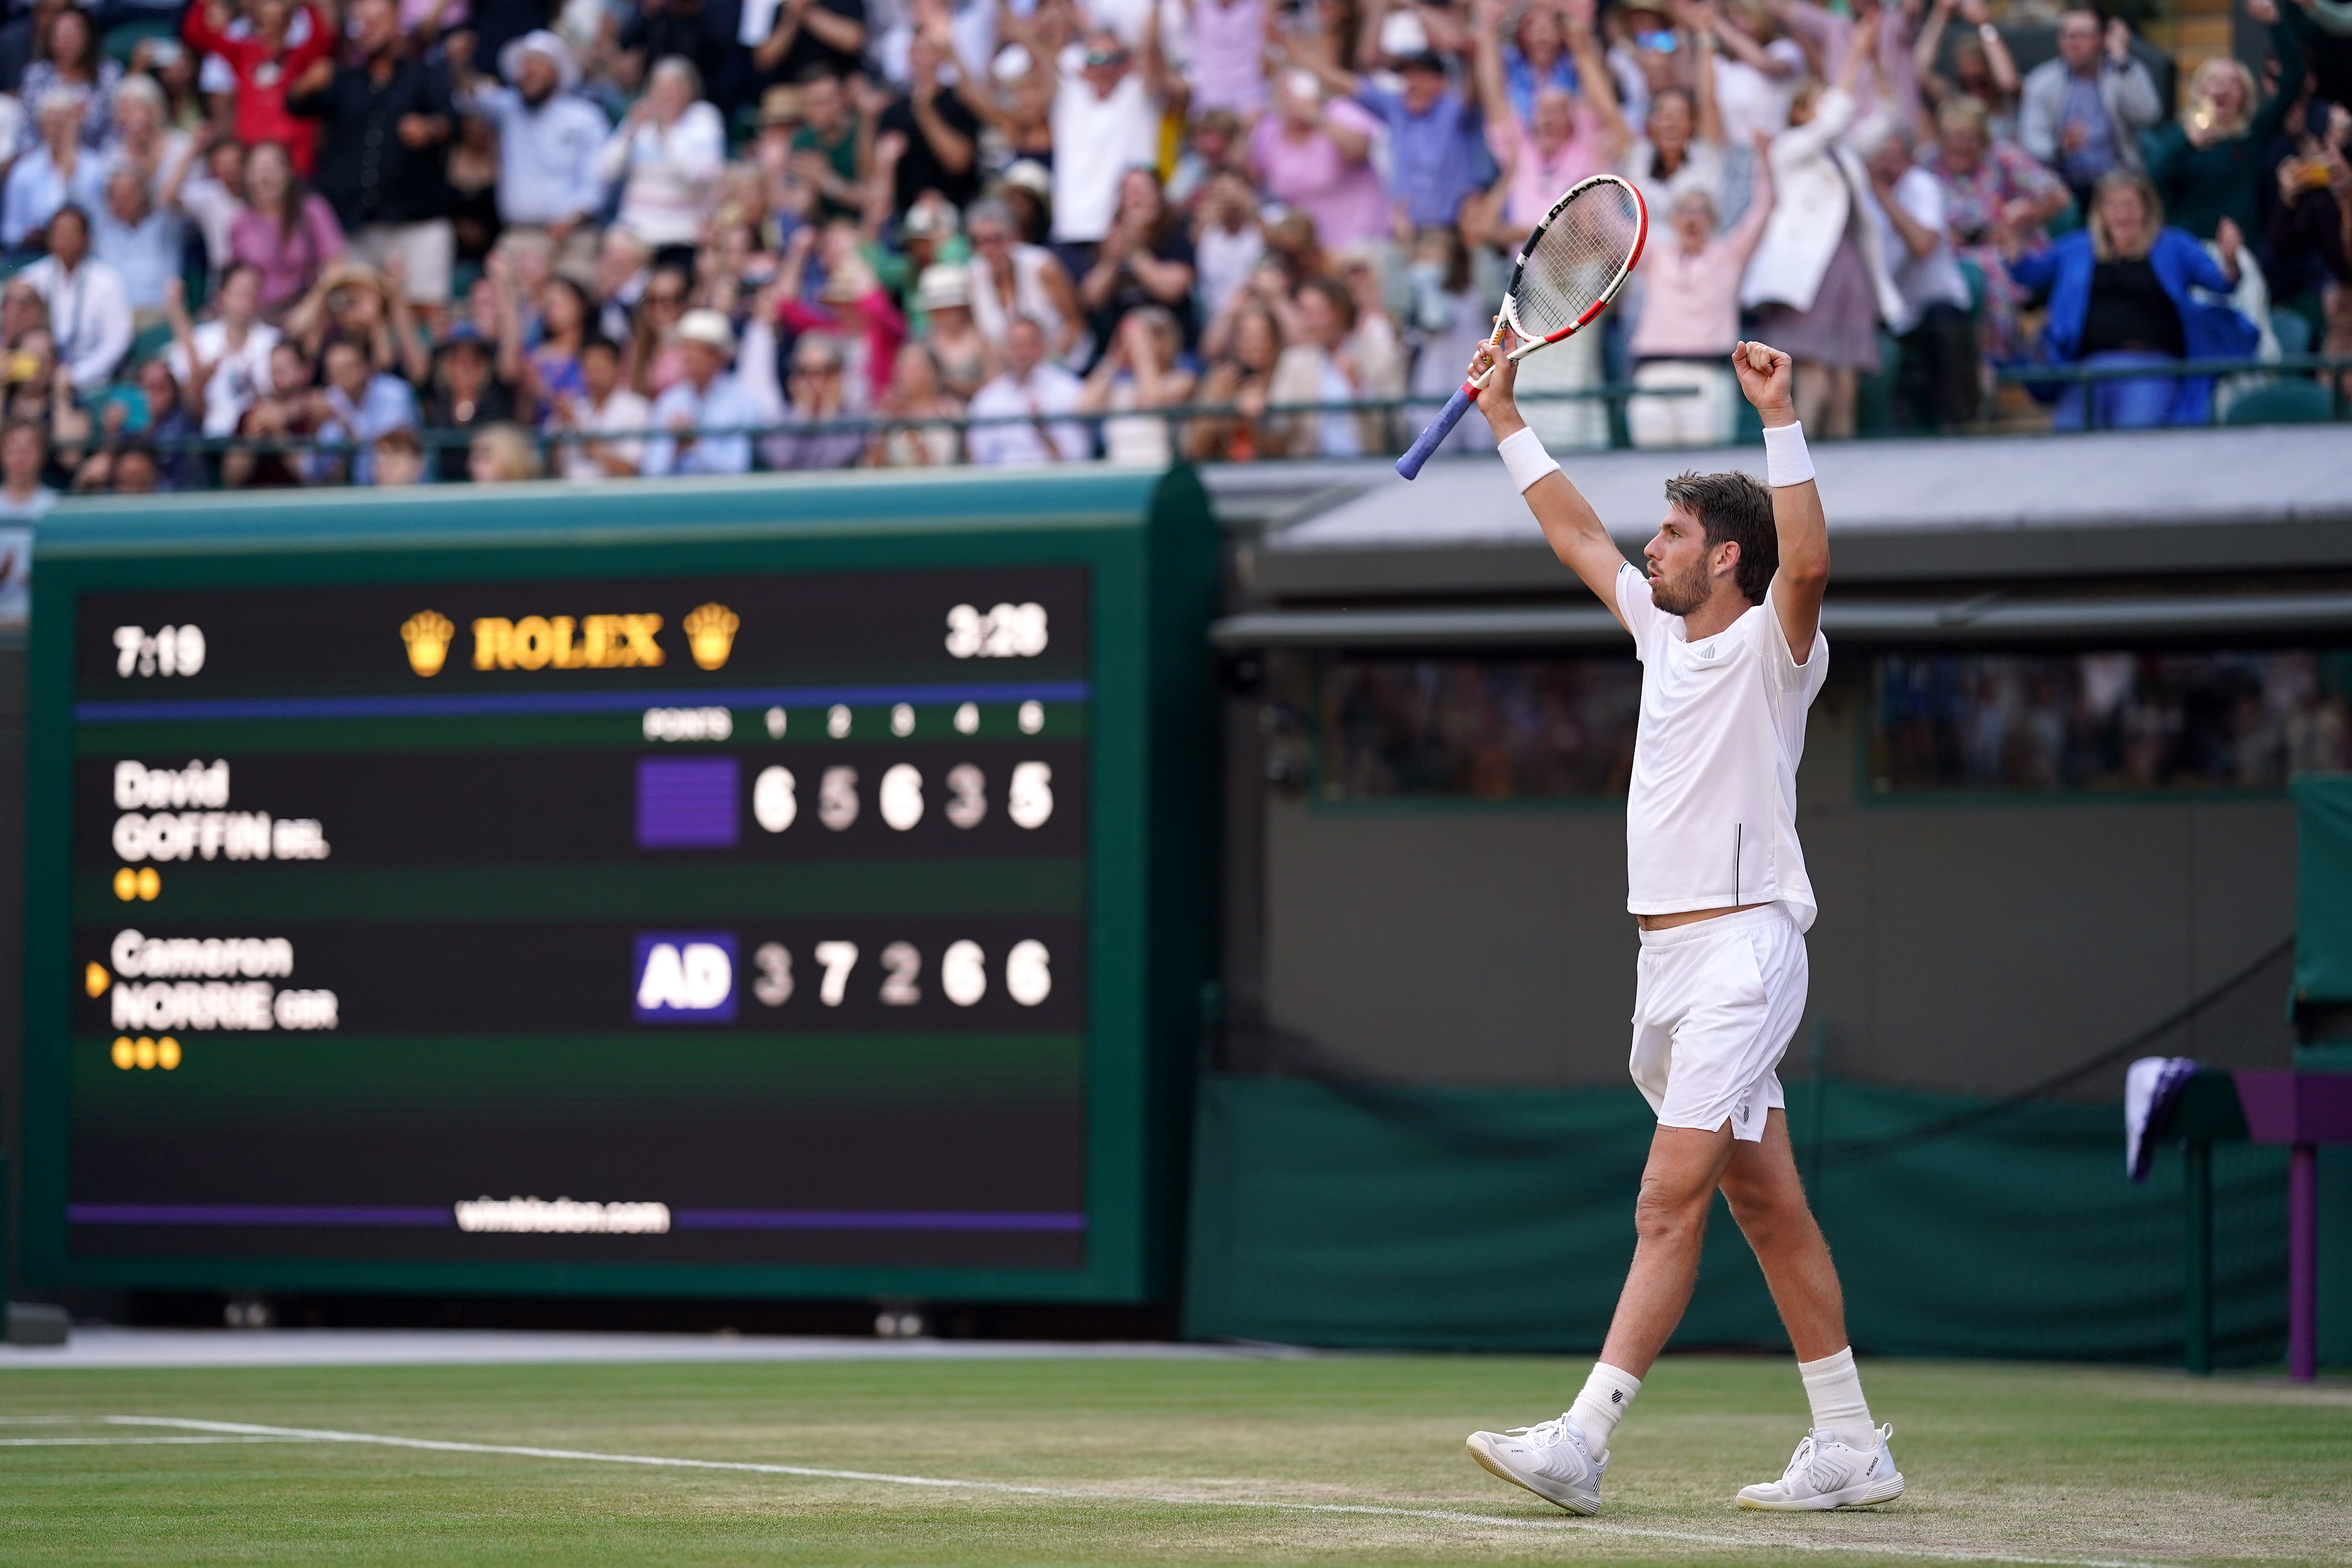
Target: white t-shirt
(1096,140)
(1711,819)
(1933,278)
(1749,101)
(623,413)
(239,378)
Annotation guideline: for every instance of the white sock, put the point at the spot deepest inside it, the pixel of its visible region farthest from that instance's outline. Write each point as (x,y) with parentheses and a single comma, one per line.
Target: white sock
(1606,1394)
(1836,1389)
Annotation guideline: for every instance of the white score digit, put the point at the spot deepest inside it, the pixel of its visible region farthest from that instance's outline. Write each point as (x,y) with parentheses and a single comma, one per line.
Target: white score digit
(172,650)
(963,973)
(902,796)
(836,798)
(901,965)
(774,804)
(1007,631)
(774,962)
(1029,972)
(965,632)
(837,958)
(967,796)
(1030,800)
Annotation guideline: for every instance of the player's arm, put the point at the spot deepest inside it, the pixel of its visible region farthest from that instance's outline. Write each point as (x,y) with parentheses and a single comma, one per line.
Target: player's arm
(1569,524)
(1765,375)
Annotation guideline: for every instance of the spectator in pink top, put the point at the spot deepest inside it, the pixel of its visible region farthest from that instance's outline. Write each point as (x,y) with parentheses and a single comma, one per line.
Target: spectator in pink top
(1315,155)
(1563,140)
(286,232)
(852,308)
(1690,319)
(1228,68)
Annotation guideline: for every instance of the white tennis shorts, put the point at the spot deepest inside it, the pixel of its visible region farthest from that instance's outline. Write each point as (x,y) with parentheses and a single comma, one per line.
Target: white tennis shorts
(1715,1005)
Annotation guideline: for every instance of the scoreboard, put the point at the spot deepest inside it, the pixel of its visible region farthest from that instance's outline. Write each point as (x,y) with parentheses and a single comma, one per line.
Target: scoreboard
(767,888)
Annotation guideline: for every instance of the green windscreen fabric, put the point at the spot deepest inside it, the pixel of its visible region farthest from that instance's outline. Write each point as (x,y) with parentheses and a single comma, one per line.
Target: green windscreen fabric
(1503,1220)
(2323,897)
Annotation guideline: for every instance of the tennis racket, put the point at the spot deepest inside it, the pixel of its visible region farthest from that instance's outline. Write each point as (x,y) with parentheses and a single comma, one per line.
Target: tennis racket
(1568,271)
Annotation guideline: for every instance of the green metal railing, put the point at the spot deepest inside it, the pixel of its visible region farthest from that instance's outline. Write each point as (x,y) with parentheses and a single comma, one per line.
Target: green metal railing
(2287,370)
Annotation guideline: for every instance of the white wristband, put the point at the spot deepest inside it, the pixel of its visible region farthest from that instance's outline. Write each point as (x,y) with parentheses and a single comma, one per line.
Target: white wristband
(1523,459)
(1786,461)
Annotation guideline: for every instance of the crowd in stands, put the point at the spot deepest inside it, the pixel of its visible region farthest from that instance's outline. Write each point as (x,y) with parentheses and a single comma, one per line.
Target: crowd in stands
(388,242)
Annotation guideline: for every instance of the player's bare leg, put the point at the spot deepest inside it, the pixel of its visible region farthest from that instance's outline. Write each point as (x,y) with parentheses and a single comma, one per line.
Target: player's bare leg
(1669,1227)
(1844,1461)
(1768,1199)
(1564,1459)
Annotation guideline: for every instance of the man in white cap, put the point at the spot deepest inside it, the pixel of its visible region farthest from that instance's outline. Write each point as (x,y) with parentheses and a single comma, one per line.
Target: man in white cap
(706,398)
(547,140)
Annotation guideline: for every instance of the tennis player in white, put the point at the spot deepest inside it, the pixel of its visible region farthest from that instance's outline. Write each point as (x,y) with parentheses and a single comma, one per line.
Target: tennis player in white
(1726,624)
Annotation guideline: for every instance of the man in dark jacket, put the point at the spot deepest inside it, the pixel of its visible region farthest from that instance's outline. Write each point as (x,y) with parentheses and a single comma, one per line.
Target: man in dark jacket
(383,141)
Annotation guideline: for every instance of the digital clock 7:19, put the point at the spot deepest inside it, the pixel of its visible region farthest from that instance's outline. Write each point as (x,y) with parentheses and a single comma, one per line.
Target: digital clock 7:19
(167,650)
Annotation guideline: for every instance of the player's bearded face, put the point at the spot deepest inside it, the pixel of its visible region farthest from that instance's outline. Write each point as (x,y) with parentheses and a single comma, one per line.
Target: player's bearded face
(1677,573)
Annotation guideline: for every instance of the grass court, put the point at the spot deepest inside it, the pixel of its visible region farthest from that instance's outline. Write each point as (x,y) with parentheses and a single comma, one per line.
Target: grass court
(1327,1458)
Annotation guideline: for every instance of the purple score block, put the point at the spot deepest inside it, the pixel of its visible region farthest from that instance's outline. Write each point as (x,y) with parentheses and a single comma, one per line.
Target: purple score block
(688,803)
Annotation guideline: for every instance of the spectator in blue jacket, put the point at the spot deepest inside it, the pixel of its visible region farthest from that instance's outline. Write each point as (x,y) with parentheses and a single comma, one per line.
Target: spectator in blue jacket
(2120,295)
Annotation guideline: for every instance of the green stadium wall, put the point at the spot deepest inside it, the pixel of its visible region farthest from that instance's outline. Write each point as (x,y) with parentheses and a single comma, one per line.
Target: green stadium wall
(1502,1220)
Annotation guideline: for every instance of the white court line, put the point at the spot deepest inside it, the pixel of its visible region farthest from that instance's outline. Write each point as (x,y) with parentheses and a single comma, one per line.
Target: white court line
(1448,1516)
(128,1442)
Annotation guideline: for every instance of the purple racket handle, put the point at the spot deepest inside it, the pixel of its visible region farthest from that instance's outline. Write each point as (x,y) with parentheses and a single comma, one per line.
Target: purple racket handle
(1439,429)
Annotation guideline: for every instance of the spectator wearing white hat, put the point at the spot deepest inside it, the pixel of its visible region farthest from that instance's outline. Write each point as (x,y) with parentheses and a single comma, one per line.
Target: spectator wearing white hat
(706,398)
(548,137)
(943,304)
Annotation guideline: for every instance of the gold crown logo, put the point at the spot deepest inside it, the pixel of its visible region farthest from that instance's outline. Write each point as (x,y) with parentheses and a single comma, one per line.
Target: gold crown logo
(427,634)
(710,634)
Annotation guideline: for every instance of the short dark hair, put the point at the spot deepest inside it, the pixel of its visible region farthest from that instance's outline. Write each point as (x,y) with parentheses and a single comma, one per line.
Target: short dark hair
(1734,509)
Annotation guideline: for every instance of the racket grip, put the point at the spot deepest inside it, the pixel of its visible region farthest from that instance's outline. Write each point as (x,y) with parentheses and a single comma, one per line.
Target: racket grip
(1439,429)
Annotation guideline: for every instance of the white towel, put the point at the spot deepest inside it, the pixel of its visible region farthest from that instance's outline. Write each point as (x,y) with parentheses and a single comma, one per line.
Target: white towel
(2150,1086)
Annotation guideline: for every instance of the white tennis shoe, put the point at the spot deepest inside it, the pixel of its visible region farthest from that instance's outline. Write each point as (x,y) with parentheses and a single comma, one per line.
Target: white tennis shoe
(1551,1459)
(1828,1472)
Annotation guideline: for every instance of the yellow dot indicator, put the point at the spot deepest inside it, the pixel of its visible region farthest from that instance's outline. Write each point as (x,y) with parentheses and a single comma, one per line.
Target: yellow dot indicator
(143,1051)
(124,1056)
(149,884)
(167,1053)
(95,980)
(126,884)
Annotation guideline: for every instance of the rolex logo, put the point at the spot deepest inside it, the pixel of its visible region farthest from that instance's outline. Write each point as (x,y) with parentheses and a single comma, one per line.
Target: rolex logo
(710,634)
(427,634)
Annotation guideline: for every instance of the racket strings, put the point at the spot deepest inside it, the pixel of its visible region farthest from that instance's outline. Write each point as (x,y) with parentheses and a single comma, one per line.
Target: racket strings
(1577,260)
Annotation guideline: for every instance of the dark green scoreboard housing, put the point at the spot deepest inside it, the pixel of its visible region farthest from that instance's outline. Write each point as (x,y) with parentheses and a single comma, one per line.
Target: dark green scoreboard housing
(774,887)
